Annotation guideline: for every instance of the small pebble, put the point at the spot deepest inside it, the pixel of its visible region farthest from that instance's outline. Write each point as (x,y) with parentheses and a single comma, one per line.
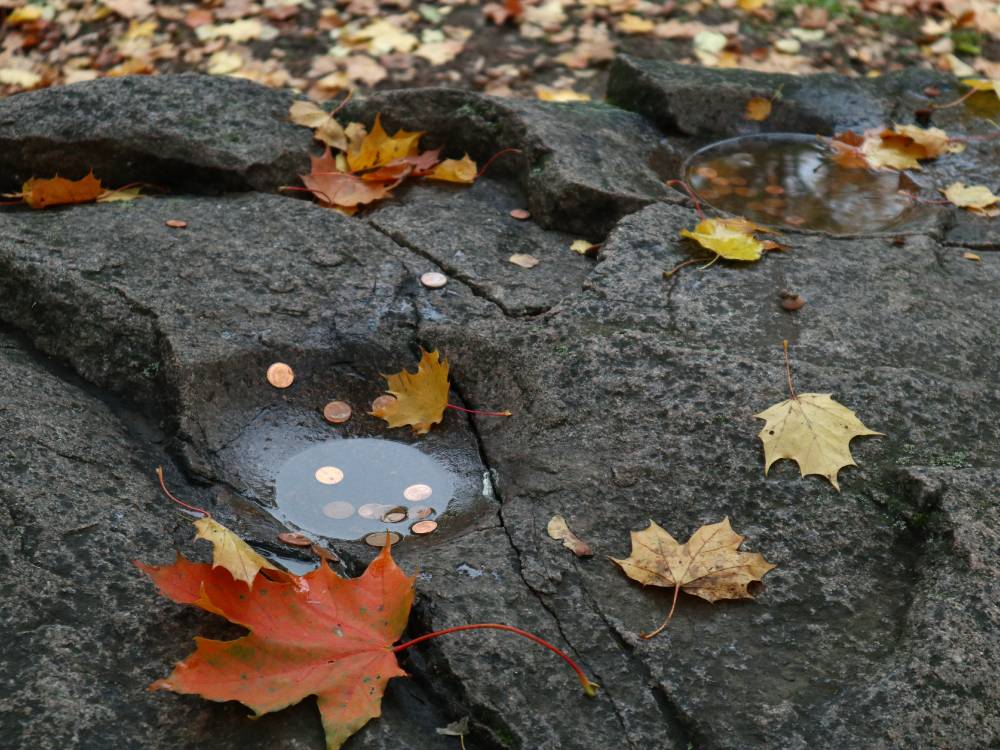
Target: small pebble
(433,280)
(521,214)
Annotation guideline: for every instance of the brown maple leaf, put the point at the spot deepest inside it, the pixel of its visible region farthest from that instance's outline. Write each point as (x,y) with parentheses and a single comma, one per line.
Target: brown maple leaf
(708,565)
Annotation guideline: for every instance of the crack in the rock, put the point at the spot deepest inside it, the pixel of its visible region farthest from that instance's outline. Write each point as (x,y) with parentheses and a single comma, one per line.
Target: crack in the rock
(458,275)
(484,458)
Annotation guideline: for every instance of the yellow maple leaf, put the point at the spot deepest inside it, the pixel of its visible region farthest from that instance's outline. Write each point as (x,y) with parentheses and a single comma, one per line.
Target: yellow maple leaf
(377,148)
(814,431)
(324,125)
(732,239)
(421,397)
(121,194)
(983,84)
(977,198)
(455,170)
(905,146)
(231,552)
(708,565)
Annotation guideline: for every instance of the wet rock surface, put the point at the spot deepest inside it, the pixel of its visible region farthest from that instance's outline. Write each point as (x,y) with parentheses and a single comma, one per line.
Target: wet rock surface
(126,344)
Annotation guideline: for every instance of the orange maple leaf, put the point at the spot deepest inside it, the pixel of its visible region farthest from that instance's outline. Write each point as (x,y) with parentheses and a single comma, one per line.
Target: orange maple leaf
(41,193)
(377,149)
(319,635)
(421,397)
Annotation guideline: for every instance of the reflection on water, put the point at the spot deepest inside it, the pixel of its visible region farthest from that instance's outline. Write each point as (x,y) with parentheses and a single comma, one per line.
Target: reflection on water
(347,489)
(790,180)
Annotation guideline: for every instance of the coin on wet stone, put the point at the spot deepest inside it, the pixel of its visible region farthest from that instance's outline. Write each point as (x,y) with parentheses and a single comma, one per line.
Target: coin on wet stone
(280,375)
(337,412)
(433,280)
(424,527)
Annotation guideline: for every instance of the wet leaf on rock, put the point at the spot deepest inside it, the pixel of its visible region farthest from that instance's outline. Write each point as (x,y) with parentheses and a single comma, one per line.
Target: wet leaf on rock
(420,397)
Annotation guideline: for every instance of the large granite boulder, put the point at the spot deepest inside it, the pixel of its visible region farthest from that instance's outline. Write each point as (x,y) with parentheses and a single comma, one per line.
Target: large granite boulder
(126,344)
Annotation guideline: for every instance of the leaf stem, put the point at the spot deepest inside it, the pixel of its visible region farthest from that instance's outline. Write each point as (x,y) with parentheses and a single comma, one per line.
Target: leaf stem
(507,413)
(670,615)
(590,688)
(688,262)
(494,158)
(788,370)
(340,106)
(955,103)
(163,486)
(691,194)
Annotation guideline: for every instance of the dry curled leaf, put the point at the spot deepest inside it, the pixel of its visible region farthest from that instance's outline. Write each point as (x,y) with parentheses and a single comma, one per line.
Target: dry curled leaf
(708,565)
(42,193)
(421,397)
(324,125)
(900,147)
(814,431)
(559,530)
(523,260)
(317,634)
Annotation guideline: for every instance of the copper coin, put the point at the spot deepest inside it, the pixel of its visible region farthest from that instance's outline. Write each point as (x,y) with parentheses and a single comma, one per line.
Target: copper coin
(280,375)
(338,509)
(295,539)
(371,510)
(521,214)
(424,527)
(382,402)
(329,475)
(337,412)
(176,223)
(433,280)
(378,538)
(394,517)
(421,513)
(417,492)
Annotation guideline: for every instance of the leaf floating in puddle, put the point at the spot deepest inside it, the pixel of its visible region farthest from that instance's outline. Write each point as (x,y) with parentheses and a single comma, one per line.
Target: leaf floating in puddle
(897,148)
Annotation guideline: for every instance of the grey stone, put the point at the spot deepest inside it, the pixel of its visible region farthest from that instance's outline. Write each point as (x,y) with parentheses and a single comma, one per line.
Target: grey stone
(194,133)
(633,399)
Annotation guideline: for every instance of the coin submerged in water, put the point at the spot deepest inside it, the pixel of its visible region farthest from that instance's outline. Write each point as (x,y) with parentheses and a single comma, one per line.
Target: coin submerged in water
(329,475)
(417,492)
(424,527)
(280,375)
(337,412)
(379,538)
(338,509)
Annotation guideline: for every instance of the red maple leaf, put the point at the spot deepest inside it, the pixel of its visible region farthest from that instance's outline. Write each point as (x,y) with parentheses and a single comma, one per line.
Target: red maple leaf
(319,635)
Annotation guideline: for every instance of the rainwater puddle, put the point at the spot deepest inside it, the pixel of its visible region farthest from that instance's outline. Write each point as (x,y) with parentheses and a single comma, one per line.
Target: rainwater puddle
(353,488)
(789,180)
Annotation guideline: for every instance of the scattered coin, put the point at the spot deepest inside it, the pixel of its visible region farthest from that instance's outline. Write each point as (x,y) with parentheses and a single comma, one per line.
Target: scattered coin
(280,375)
(338,509)
(176,223)
(417,492)
(433,280)
(791,301)
(294,538)
(424,527)
(329,475)
(382,402)
(371,510)
(521,214)
(421,513)
(379,538)
(337,412)
(394,517)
